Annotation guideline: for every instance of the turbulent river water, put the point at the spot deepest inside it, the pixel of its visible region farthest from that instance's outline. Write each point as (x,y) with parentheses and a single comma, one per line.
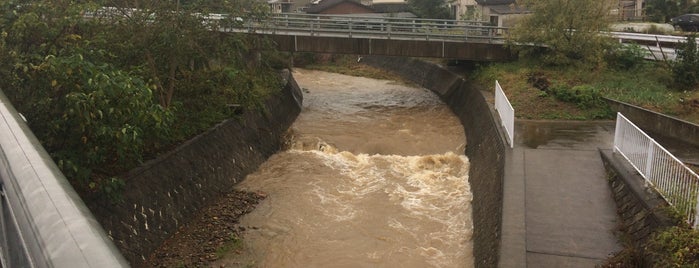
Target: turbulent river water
(374,176)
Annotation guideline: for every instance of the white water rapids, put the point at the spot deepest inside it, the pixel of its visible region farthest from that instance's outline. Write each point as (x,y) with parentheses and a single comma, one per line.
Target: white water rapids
(375,176)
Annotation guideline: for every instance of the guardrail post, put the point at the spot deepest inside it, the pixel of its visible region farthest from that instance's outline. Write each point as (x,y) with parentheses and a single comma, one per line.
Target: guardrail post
(350,27)
(312,27)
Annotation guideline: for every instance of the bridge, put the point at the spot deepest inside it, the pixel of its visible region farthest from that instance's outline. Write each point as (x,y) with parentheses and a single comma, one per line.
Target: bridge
(411,37)
(364,35)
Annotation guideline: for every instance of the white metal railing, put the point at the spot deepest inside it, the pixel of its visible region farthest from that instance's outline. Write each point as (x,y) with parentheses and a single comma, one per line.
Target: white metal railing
(506,112)
(677,184)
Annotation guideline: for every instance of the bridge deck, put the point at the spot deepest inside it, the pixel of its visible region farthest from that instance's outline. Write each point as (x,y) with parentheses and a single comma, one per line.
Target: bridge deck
(558,209)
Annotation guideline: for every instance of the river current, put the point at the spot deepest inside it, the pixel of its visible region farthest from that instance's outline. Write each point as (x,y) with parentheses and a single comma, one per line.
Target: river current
(374,176)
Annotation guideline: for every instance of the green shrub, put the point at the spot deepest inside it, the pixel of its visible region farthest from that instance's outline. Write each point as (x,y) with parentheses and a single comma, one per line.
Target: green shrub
(584,96)
(627,57)
(686,68)
(674,247)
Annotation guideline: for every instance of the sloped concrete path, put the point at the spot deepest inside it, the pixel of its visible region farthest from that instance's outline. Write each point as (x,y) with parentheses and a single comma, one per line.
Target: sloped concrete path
(558,210)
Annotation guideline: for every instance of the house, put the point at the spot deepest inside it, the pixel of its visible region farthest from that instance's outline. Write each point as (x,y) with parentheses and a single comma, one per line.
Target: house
(630,10)
(501,13)
(280,6)
(390,6)
(338,7)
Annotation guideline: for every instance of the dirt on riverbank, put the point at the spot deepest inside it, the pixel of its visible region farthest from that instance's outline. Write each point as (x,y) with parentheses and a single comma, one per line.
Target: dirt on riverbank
(207,237)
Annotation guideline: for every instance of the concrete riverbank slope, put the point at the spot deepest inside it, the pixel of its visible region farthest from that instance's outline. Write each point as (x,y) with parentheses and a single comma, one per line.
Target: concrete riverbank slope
(165,193)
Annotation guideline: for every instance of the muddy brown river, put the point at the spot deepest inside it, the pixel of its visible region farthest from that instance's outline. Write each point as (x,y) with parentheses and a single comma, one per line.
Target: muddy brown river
(375,176)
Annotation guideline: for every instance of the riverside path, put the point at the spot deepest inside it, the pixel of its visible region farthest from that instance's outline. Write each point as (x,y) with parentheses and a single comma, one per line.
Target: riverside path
(558,209)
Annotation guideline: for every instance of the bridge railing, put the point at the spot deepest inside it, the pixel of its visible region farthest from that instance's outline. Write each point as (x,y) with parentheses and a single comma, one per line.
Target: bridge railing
(677,183)
(506,112)
(43,222)
(376,27)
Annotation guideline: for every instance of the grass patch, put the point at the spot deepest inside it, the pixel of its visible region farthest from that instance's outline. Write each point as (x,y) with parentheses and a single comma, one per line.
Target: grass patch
(541,92)
(233,244)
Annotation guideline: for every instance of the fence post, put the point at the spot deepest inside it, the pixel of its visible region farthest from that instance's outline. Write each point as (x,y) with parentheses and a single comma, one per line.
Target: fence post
(617,132)
(696,212)
(649,159)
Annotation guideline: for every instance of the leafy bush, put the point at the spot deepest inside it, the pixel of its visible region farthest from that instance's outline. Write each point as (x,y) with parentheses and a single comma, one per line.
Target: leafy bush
(584,96)
(627,57)
(91,118)
(674,247)
(104,93)
(686,68)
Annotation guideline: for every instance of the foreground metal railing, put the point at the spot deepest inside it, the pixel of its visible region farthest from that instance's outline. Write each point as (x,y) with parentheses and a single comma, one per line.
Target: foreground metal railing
(506,112)
(373,27)
(677,184)
(43,222)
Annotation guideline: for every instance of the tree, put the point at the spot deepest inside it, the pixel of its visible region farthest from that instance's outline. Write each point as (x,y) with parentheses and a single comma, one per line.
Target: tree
(685,69)
(101,93)
(170,41)
(662,10)
(569,29)
(90,116)
(433,9)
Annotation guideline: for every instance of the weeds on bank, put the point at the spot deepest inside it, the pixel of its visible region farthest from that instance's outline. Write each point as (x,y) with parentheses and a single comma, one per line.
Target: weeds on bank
(576,92)
(234,244)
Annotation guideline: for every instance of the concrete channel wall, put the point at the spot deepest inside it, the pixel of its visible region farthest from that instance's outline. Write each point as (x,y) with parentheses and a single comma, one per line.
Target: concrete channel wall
(485,146)
(166,192)
(658,123)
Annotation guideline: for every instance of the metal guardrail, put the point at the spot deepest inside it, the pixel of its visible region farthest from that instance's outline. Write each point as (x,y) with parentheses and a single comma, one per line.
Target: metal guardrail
(43,222)
(659,47)
(506,112)
(676,183)
(374,27)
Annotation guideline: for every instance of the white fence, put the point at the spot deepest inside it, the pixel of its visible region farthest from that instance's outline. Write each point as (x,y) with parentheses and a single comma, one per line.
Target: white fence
(506,112)
(677,183)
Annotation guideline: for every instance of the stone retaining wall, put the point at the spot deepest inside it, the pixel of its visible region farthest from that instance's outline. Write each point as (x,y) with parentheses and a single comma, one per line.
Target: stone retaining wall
(485,146)
(658,123)
(641,209)
(166,192)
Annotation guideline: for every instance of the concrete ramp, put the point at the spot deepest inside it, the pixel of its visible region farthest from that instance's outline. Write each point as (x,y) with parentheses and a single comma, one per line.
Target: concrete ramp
(558,206)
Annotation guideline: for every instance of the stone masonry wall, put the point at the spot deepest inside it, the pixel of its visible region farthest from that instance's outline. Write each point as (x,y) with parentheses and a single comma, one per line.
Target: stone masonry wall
(485,146)
(641,209)
(165,193)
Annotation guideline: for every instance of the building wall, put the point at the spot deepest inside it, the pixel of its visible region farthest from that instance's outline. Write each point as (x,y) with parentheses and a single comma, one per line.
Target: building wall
(347,8)
(466,10)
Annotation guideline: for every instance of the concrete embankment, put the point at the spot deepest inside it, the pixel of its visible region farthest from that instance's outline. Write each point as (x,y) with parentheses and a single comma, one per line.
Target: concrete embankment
(485,146)
(654,122)
(165,193)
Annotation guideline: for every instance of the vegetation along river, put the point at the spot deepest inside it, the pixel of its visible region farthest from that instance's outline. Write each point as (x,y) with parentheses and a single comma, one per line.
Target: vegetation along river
(374,176)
